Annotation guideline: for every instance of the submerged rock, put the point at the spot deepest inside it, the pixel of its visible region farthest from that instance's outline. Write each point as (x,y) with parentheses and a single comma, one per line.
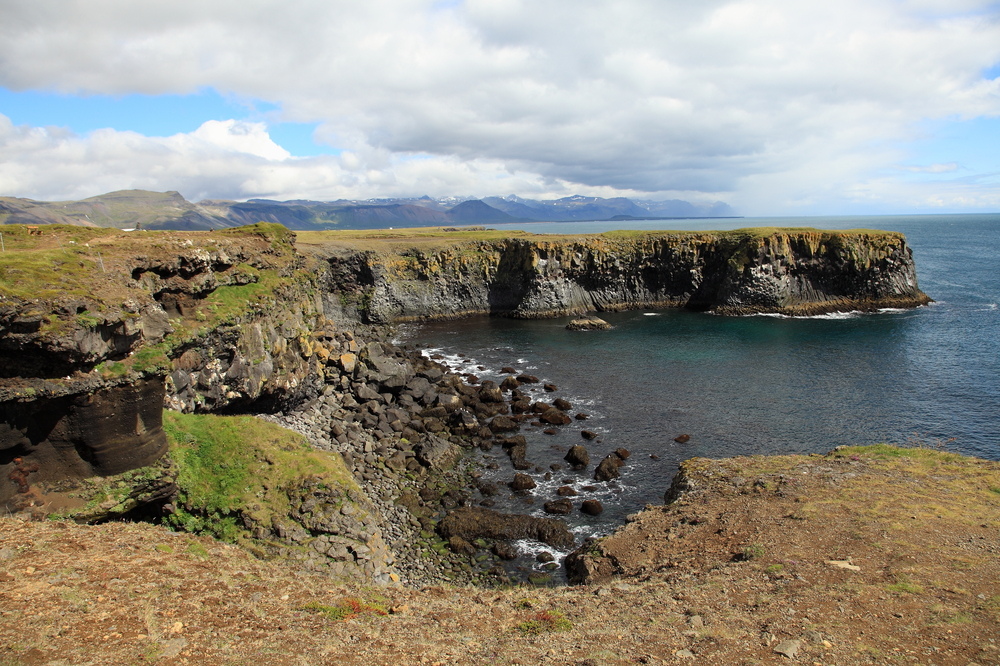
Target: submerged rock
(588,324)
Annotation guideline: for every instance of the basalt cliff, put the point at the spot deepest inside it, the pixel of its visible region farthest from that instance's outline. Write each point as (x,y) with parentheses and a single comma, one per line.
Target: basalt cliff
(100,330)
(793,272)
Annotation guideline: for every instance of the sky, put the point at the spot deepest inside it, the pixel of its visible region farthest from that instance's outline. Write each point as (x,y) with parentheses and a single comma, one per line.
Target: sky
(776,107)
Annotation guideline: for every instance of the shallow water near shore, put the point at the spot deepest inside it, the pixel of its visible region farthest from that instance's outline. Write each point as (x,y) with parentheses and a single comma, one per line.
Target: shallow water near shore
(753,385)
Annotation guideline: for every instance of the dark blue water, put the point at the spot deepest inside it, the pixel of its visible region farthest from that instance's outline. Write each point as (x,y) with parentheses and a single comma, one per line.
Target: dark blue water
(759,385)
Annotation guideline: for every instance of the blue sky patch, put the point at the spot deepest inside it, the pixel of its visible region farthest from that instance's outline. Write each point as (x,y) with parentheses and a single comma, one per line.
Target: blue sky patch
(155,115)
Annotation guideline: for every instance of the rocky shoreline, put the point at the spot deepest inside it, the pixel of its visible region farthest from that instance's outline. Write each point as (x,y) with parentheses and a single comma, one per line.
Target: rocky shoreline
(252,321)
(411,452)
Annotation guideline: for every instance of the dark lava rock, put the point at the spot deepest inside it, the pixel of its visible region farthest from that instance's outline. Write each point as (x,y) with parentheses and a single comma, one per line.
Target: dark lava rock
(505,551)
(608,469)
(503,424)
(473,523)
(545,556)
(522,482)
(540,407)
(555,417)
(437,453)
(588,434)
(566,491)
(509,384)
(488,488)
(551,431)
(564,405)
(522,406)
(623,453)
(507,370)
(578,457)
(527,379)
(560,506)
(550,388)
(517,449)
(490,392)
(592,507)
(461,546)
(461,418)
(582,417)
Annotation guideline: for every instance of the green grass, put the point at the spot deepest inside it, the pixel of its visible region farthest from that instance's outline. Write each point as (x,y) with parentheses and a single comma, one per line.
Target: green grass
(922,455)
(237,469)
(905,586)
(47,273)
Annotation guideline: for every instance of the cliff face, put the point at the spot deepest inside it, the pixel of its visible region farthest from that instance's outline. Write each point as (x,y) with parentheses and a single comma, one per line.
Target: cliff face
(744,272)
(99,330)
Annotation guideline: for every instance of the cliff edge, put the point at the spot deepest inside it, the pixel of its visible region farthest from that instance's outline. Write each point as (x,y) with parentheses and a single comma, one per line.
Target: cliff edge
(747,271)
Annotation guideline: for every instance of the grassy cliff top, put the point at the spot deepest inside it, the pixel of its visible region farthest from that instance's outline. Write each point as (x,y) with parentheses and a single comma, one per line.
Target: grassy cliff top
(71,261)
(431,238)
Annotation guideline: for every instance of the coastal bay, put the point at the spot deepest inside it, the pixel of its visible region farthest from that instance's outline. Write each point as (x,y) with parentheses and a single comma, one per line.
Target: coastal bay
(303,365)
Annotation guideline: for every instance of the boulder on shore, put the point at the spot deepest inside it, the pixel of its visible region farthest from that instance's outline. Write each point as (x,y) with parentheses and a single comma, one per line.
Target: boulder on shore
(559,506)
(473,523)
(522,482)
(578,457)
(608,469)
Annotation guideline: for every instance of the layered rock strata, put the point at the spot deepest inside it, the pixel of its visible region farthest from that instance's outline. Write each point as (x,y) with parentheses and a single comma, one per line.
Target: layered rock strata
(794,272)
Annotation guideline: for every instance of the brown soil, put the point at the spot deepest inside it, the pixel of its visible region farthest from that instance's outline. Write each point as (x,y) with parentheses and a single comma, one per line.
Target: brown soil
(863,556)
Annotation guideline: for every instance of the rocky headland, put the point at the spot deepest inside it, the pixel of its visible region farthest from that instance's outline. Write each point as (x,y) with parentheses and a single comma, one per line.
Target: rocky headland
(243,385)
(101,329)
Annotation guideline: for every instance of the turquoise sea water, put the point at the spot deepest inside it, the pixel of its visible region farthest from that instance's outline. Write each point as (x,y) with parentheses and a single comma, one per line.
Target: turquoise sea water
(758,385)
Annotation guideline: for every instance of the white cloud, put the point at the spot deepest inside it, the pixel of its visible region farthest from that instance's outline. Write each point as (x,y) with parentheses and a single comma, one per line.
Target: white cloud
(722,97)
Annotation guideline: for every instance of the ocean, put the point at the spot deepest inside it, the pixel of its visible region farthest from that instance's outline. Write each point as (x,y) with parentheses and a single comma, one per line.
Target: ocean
(751,385)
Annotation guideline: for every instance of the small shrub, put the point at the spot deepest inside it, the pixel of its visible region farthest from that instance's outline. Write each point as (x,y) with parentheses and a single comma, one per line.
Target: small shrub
(348,608)
(544,622)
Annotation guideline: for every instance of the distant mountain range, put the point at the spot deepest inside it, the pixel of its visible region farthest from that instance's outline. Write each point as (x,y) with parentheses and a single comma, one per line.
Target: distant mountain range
(169,210)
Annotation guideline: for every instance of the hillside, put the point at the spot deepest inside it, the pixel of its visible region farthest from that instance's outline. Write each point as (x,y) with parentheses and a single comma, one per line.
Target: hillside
(866,555)
(128,209)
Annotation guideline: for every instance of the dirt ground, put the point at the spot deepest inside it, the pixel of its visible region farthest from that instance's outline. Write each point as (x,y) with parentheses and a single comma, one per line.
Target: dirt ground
(862,556)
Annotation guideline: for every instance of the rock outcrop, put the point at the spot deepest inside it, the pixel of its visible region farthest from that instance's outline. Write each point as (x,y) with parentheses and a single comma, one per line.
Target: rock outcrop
(795,272)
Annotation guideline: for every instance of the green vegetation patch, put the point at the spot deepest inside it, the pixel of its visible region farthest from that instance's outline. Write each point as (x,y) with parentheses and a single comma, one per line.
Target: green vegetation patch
(48,273)
(544,622)
(237,470)
(346,609)
(924,456)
